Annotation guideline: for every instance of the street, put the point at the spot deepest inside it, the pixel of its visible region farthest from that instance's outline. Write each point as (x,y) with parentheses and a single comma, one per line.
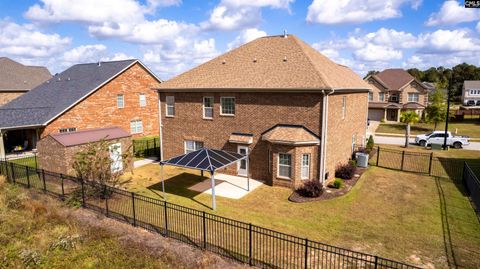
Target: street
(401,141)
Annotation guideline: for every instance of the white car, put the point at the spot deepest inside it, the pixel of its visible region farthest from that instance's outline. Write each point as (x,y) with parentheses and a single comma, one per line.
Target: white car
(437,137)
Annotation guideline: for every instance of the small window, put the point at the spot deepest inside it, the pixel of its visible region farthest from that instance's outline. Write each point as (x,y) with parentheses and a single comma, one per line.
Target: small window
(170,106)
(381,97)
(142,100)
(136,126)
(208,107)
(68,130)
(120,101)
(284,165)
(305,166)
(227,106)
(191,146)
(344,107)
(370,96)
(413,97)
(393,98)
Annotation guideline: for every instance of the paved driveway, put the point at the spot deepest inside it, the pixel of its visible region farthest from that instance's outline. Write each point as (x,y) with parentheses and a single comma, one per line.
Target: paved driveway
(401,141)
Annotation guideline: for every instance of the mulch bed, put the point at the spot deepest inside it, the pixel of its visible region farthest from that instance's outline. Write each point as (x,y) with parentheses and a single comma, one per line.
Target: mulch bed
(330,193)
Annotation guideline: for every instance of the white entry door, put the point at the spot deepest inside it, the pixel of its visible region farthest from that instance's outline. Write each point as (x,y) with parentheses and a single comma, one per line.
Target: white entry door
(116,157)
(242,165)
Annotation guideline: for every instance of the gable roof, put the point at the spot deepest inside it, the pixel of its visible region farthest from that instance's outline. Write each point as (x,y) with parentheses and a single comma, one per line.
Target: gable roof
(89,136)
(205,159)
(272,62)
(53,97)
(469,84)
(395,79)
(15,76)
(290,134)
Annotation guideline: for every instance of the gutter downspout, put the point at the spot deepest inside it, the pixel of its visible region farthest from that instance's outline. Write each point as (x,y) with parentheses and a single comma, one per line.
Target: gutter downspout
(160,125)
(2,146)
(323,147)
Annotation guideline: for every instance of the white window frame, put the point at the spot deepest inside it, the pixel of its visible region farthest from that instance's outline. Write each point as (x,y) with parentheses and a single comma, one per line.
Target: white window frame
(142,99)
(167,105)
(383,97)
(137,127)
(67,130)
(284,165)
(304,166)
(234,106)
(120,102)
(204,108)
(344,107)
(370,96)
(413,97)
(195,144)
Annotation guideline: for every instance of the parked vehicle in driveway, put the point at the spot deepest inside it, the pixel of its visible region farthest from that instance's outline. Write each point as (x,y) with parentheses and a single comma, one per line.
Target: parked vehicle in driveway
(437,137)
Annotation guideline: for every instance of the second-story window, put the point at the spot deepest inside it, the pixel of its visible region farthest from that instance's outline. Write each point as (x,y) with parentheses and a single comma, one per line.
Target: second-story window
(142,99)
(381,97)
(120,101)
(393,98)
(170,106)
(370,96)
(208,107)
(227,106)
(413,97)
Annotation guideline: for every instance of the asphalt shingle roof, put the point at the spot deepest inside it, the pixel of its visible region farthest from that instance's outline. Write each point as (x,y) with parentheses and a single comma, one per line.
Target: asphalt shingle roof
(272,62)
(18,77)
(53,96)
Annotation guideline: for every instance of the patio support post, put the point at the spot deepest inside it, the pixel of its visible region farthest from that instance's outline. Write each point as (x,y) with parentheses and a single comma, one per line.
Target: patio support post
(398,114)
(385,114)
(2,147)
(163,182)
(212,178)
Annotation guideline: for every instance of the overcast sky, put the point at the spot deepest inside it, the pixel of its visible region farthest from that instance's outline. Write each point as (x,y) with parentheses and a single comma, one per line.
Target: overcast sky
(171,36)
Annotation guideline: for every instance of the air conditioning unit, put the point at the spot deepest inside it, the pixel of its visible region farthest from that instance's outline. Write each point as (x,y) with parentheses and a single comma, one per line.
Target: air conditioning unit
(362,159)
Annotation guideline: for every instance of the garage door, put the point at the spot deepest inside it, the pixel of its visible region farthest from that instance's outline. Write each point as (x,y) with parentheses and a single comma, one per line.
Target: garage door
(376,114)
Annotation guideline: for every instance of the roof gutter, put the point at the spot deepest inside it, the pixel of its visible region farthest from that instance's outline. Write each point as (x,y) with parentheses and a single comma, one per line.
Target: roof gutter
(281,90)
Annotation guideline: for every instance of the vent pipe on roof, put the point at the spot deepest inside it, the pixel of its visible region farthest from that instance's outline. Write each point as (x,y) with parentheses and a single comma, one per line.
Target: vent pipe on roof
(285,59)
(99,63)
(285,33)
(255,59)
(223,62)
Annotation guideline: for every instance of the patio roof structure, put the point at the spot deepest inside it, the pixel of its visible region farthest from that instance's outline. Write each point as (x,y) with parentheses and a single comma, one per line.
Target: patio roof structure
(206,160)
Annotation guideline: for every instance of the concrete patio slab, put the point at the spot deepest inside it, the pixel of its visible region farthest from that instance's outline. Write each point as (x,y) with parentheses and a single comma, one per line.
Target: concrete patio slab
(227,186)
(145,162)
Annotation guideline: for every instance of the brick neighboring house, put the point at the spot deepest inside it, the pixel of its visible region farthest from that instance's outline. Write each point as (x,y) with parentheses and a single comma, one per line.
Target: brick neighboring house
(17,79)
(394,91)
(297,113)
(85,96)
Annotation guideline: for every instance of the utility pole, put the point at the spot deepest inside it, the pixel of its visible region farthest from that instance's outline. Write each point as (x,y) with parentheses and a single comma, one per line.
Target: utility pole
(445,147)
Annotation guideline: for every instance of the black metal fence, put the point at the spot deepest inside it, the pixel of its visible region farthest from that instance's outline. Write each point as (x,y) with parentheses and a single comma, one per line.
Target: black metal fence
(471,180)
(237,240)
(27,161)
(146,147)
(419,162)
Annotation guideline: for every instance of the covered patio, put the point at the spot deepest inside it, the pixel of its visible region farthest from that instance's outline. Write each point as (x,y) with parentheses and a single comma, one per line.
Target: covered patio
(211,160)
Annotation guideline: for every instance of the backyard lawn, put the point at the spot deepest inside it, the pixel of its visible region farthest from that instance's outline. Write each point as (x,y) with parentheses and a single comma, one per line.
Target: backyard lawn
(467,127)
(404,216)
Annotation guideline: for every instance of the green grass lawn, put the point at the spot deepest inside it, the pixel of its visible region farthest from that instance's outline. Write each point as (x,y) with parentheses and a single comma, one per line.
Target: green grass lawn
(28,161)
(467,127)
(404,216)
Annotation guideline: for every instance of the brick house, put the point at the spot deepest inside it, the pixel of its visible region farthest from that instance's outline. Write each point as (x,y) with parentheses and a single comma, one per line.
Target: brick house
(394,91)
(85,96)
(294,111)
(17,79)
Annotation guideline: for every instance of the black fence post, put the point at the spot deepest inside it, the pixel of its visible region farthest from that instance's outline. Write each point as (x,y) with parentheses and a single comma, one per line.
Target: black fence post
(12,173)
(430,164)
(403,160)
(376,262)
(306,253)
(43,179)
(63,188)
(83,191)
(28,177)
(204,230)
(105,195)
(147,151)
(133,210)
(378,154)
(250,257)
(165,216)
(36,163)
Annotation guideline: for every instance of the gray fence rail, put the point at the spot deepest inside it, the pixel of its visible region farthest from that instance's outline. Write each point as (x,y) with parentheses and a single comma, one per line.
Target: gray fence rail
(244,242)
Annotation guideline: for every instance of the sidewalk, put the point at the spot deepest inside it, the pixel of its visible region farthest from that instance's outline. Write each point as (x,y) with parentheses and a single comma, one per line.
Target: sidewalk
(145,162)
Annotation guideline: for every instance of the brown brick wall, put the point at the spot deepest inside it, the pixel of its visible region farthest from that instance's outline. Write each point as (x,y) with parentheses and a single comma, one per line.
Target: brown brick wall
(255,113)
(6,97)
(100,108)
(340,131)
(54,157)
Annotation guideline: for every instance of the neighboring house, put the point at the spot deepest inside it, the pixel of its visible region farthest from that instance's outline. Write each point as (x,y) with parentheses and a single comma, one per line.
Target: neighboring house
(17,79)
(471,93)
(294,111)
(85,96)
(394,91)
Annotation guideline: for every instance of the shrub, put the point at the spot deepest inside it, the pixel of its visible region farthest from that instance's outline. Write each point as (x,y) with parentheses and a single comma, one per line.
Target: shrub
(345,171)
(337,184)
(311,188)
(353,163)
(382,120)
(370,143)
